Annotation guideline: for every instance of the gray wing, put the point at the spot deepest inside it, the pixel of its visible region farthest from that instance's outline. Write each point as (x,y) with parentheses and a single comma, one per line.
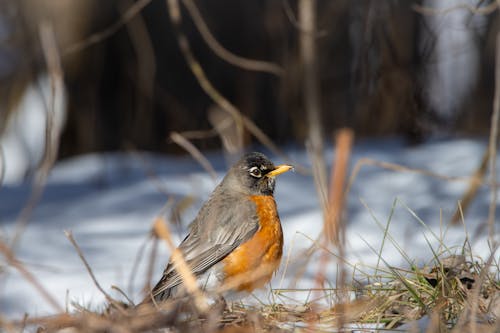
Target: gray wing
(213,235)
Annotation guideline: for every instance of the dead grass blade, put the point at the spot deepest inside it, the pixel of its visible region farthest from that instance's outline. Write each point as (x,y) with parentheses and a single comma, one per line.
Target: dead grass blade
(180,264)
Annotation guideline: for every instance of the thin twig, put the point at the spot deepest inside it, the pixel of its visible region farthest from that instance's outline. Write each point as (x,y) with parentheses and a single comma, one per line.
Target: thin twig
(218,49)
(108,32)
(11,260)
(195,152)
(70,237)
(495,117)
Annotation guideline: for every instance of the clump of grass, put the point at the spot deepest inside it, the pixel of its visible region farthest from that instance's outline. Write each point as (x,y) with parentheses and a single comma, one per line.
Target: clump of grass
(455,290)
(447,287)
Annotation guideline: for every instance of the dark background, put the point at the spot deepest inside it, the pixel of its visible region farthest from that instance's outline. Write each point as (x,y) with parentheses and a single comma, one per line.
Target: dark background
(129,91)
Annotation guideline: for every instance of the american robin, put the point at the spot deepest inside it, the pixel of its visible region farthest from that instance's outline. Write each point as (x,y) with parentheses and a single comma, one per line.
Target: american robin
(236,239)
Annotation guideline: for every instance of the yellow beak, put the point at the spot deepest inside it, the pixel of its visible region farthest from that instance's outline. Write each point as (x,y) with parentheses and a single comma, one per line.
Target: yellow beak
(279,170)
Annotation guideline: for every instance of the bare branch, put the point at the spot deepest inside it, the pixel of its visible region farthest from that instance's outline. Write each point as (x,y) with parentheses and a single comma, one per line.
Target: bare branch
(52,132)
(111,30)
(240,120)
(233,59)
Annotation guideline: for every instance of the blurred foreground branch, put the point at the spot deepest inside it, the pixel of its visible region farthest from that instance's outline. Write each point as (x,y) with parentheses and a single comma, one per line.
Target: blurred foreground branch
(495,118)
(336,194)
(52,130)
(180,264)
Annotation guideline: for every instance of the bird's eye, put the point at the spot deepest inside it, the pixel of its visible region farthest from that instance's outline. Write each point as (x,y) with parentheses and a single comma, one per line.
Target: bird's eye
(255,172)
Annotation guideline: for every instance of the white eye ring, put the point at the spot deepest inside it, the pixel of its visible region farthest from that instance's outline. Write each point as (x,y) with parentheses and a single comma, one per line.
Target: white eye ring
(255,172)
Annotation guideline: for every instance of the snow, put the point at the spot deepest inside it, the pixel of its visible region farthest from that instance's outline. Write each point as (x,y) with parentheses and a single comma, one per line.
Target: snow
(22,143)
(109,202)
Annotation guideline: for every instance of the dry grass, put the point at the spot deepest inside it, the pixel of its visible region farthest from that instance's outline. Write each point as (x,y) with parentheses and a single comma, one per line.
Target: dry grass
(453,292)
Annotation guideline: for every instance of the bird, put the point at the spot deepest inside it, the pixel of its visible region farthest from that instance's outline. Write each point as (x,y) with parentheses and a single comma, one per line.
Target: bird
(236,239)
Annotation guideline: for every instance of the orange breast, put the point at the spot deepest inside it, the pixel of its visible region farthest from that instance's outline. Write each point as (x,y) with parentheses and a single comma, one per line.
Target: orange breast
(252,264)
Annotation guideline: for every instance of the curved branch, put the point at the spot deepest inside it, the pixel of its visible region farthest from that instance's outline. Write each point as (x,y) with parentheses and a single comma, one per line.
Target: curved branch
(218,49)
(97,37)
(195,67)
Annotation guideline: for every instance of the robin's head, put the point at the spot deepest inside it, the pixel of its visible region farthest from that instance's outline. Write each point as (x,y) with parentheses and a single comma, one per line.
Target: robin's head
(255,174)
